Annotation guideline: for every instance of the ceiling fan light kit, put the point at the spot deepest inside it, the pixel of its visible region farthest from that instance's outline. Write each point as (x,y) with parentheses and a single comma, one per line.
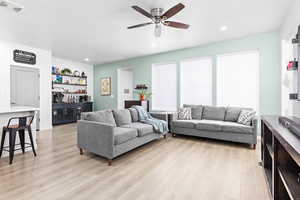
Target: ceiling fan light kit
(159,18)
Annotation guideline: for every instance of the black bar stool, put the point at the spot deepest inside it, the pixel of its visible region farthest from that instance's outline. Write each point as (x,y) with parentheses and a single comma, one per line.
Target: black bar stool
(23,124)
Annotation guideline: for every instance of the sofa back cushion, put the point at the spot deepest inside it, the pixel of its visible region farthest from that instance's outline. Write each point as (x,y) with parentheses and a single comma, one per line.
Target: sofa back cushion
(104,116)
(197,110)
(214,113)
(233,113)
(134,114)
(122,117)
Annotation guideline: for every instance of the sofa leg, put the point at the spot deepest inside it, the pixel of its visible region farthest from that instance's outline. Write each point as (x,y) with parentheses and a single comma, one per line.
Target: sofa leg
(165,136)
(253,146)
(81,151)
(109,162)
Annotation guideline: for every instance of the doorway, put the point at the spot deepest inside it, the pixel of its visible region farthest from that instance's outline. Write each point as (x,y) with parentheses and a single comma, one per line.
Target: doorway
(24,86)
(125,86)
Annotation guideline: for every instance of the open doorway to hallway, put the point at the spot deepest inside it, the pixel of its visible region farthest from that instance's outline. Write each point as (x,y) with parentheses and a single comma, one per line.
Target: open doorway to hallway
(125,86)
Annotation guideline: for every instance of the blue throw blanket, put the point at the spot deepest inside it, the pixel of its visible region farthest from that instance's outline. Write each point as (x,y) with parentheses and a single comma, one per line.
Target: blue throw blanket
(160,126)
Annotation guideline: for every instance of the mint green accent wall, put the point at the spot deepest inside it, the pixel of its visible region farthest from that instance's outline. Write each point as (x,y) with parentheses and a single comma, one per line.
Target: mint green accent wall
(268,45)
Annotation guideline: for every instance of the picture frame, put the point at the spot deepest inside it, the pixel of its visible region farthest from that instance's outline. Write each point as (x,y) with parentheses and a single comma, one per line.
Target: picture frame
(105,86)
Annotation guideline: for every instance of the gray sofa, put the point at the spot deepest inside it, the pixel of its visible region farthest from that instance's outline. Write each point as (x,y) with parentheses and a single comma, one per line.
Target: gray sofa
(216,123)
(111,133)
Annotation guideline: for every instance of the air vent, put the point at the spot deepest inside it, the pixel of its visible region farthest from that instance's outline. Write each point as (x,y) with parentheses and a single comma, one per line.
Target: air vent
(11,5)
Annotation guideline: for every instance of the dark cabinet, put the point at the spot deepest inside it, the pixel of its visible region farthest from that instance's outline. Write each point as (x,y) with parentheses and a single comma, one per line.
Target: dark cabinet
(63,113)
(145,104)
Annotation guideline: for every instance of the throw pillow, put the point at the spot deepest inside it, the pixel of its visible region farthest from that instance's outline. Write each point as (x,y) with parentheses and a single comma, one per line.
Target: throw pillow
(246,116)
(185,113)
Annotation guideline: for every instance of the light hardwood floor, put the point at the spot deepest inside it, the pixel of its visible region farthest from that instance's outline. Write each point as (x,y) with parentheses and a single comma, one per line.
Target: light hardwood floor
(182,168)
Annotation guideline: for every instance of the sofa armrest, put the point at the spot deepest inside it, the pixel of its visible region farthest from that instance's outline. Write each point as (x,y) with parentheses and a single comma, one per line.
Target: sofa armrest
(96,137)
(161,116)
(254,124)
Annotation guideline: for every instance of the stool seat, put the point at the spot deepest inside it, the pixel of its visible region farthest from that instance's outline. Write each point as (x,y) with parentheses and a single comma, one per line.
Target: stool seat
(11,126)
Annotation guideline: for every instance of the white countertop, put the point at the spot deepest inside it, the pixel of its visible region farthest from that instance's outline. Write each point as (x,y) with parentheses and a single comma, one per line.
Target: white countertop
(17,109)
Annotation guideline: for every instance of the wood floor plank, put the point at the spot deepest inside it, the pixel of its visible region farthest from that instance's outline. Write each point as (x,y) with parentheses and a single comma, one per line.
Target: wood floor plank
(173,169)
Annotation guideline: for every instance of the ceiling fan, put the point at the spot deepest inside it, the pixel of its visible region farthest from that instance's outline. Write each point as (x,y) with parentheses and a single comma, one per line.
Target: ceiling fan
(159,18)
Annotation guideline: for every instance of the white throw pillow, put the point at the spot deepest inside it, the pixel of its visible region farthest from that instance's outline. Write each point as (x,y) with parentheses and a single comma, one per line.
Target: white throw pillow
(246,117)
(185,113)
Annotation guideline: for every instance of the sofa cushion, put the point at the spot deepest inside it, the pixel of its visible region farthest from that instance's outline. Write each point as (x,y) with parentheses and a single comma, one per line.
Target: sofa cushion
(246,117)
(209,125)
(143,129)
(197,111)
(214,113)
(122,135)
(134,114)
(122,117)
(185,123)
(104,116)
(233,113)
(185,114)
(235,127)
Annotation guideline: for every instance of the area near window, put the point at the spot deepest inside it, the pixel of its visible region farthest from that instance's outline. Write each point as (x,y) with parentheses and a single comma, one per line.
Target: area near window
(164,87)
(237,79)
(196,81)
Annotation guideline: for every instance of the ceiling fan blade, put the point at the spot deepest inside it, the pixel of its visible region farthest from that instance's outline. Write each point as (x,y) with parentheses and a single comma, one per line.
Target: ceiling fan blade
(173,11)
(176,24)
(142,11)
(139,25)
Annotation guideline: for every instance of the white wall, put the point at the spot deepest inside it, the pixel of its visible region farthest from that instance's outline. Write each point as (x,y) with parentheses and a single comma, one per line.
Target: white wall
(43,64)
(88,70)
(288,31)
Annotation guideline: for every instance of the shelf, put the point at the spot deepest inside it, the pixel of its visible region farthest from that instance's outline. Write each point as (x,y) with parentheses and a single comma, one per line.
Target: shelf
(54,83)
(84,77)
(290,182)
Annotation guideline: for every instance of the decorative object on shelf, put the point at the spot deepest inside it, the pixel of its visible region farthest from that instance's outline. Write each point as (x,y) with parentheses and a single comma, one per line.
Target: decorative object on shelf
(83,74)
(53,70)
(58,79)
(293,65)
(297,39)
(105,85)
(76,73)
(141,90)
(66,71)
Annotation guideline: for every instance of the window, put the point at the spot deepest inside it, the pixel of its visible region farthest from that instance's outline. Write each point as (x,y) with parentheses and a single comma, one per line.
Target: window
(196,81)
(237,80)
(164,87)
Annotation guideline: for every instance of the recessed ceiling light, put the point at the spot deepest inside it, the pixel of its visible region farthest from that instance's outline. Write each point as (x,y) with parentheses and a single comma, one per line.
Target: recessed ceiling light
(223,28)
(87,59)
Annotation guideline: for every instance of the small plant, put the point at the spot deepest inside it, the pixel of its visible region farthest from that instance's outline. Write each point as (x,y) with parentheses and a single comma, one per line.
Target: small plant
(142,91)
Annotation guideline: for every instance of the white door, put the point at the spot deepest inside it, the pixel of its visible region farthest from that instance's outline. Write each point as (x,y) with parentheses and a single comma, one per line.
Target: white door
(24,86)
(125,87)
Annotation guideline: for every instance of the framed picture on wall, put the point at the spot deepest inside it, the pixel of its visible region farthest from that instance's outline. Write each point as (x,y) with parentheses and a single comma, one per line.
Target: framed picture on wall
(105,85)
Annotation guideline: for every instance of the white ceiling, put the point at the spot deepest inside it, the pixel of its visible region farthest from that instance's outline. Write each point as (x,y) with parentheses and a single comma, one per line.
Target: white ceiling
(96,29)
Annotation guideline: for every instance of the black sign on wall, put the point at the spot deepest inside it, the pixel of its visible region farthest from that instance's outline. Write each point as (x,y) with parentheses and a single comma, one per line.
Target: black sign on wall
(24,57)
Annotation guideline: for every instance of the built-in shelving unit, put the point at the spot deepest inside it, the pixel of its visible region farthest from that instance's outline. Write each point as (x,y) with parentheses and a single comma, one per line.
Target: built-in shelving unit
(280,159)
